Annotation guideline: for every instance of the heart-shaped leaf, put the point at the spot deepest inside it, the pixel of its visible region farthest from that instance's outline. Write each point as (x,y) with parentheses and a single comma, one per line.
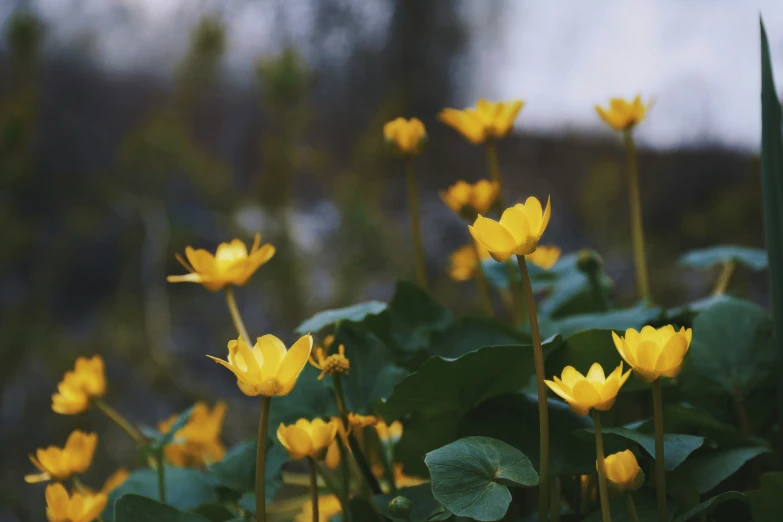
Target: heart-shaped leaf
(354,313)
(754,258)
(710,469)
(709,504)
(136,508)
(765,503)
(676,448)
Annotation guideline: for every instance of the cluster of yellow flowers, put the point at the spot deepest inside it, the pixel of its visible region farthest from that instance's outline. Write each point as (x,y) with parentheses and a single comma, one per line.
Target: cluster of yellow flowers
(84,383)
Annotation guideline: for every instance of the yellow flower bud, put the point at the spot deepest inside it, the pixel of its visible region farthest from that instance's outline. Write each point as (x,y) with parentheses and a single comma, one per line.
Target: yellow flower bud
(61,507)
(545,256)
(231,264)
(621,114)
(463,263)
(198,442)
(60,463)
(469,200)
(335,364)
(654,353)
(488,120)
(408,136)
(86,381)
(623,471)
(267,369)
(391,433)
(307,438)
(517,233)
(592,391)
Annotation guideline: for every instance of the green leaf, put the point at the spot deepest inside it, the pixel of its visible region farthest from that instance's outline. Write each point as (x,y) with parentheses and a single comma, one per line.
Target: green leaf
(676,448)
(237,469)
(765,503)
(755,258)
(709,504)
(572,292)
(646,508)
(470,476)
(685,314)
(415,315)
(186,489)
(137,508)
(422,501)
(710,469)
(684,418)
(310,398)
(635,317)
(497,274)
(354,313)
(468,333)
(215,512)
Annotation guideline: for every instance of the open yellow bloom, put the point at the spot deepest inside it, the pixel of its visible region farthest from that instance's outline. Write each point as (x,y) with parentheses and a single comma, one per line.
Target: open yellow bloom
(545,256)
(231,264)
(654,353)
(86,381)
(268,369)
(408,136)
(60,507)
(594,390)
(621,114)
(469,200)
(623,471)
(488,120)
(334,364)
(517,233)
(328,506)
(198,442)
(463,262)
(391,433)
(307,438)
(60,463)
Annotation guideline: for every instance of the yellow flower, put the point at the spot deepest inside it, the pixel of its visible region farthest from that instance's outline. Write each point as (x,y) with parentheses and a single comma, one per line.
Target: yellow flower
(622,114)
(335,364)
(328,506)
(463,264)
(268,369)
(408,136)
(198,442)
(333,455)
(654,353)
(592,391)
(60,507)
(468,200)
(623,471)
(361,421)
(231,264)
(488,120)
(391,433)
(517,233)
(545,256)
(307,438)
(60,463)
(86,381)
(114,481)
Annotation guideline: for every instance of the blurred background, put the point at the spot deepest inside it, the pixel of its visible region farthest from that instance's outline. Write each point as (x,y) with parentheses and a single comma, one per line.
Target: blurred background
(130,129)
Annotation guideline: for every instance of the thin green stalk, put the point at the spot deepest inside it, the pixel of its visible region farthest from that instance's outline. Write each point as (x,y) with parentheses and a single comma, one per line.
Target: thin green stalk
(313,487)
(543,411)
(345,472)
(603,492)
(120,421)
(235,315)
(482,284)
(723,278)
(660,470)
(637,230)
(413,210)
(556,494)
(494,171)
(161,477)
(632,508)
(263,426)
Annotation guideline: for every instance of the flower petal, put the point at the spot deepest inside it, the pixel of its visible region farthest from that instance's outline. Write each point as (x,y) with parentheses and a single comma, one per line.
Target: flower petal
(672,353)
(596,374)
(294,360)
(272,352)
(623,350)
(493,236)
(571,376)
(585,394)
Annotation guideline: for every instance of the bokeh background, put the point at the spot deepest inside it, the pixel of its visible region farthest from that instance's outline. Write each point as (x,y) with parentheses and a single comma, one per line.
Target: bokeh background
(132,128)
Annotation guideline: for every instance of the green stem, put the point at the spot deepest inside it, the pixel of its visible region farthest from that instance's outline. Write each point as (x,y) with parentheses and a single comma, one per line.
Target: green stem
(345,472)
(120,421)
(263,426)
(660,470)
(494,171)
(555,494)
(413,210)
(723,279)
(161,477)
(543,412)
(481,283)
(632,508)
(603,492)
(313,488)
(637,230)
(235,315)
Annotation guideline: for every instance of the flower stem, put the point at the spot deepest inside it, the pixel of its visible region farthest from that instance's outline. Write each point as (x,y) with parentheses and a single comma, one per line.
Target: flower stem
(481,283)
(313,487)
(263,425)
(413,210)
(543,412)
(660,470)
(631,508)
(723,279)
(599,450)
(556,498)
(345,471)
(120,421)
(637,230)
(494,171)
(161,477)
(235,315)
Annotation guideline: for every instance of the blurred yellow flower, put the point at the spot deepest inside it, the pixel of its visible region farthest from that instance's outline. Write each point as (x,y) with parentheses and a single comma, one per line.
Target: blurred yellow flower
(592,391)
(463,263)
(408,136)
(267,369)
(390,433)
(545,256)
(488,120)
(198,442)
(654,353)
(333,455)
(361,421)
(334,364)
(60,507)
(307,438)
(86,381)
(328,506)
(114,481)
(622,114)
(469,200)
(517,233)
(60,463)
(231,264)
(401,480)
(623,471)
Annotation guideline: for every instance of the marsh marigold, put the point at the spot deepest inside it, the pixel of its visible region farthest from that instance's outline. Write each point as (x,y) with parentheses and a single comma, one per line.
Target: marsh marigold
(406,136)
(389,433)
(78,507)
(307,438)
(623,115)
(61,463)
(545,256)
(594,390)
(86,381)
(654,353)
(468,200)
(334,364)
(198,442)
(464,263)
(623,471)
(267,369)
(231,264)
(517,233)
(487,120)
